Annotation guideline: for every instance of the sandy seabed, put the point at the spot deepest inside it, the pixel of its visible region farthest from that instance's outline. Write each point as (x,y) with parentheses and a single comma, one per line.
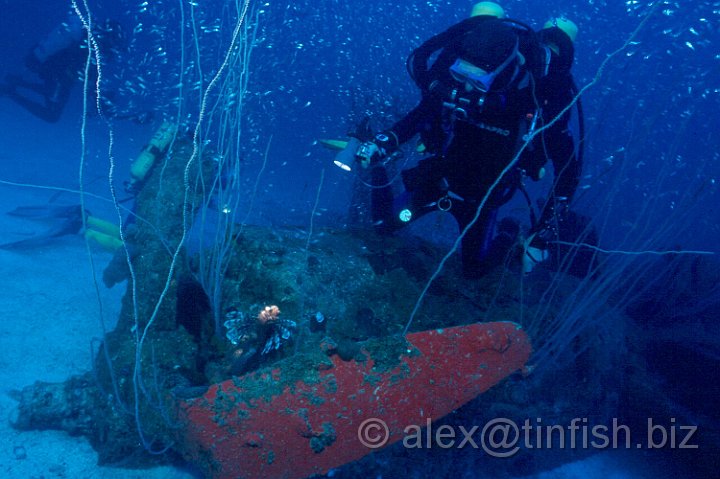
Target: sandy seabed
(50,316)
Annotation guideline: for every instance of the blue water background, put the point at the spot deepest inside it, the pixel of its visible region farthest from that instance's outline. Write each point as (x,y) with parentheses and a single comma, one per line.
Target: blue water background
(320,65)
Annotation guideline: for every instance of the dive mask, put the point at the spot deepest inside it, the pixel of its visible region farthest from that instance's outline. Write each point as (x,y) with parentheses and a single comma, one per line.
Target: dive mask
(463,71)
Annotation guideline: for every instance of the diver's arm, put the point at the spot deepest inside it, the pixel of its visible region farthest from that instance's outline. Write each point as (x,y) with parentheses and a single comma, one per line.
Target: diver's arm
(560,147)
(566,163)
(565,140)
(557,90)
(388,141)
(560,143)
(561,50)
(412,123)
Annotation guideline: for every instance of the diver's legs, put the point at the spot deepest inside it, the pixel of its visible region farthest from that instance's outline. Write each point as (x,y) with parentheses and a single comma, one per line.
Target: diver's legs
(49,111)
(15,84)
(476,242)
(16,81)
(53,99)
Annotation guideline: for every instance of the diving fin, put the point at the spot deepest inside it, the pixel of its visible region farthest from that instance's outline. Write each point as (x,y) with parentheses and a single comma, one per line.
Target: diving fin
(68,221)
(46,212)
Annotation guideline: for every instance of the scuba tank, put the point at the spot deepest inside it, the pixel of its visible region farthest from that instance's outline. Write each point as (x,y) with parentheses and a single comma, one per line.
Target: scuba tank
(105,233)
(108,242)
(149,154)
(63,36)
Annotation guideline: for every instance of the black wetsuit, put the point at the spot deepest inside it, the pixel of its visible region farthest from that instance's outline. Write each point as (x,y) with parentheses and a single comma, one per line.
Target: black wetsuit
(470,153)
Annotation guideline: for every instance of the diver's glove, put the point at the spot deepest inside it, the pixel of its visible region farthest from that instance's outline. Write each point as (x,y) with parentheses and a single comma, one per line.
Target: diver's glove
(377,149)
(544,233)
(553,215)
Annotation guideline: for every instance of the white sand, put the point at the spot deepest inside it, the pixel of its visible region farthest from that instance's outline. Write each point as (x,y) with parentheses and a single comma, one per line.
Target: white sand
(49,316)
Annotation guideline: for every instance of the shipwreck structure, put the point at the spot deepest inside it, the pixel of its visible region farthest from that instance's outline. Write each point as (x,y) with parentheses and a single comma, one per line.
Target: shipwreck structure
(309,345)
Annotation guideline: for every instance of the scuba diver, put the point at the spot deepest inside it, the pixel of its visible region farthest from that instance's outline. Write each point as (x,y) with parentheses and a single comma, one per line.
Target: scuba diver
(493,82)
(64,220)
(55,66)
(56,62)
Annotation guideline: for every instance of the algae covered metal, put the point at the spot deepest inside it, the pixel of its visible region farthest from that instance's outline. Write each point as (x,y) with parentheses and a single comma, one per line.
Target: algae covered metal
(292,422)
